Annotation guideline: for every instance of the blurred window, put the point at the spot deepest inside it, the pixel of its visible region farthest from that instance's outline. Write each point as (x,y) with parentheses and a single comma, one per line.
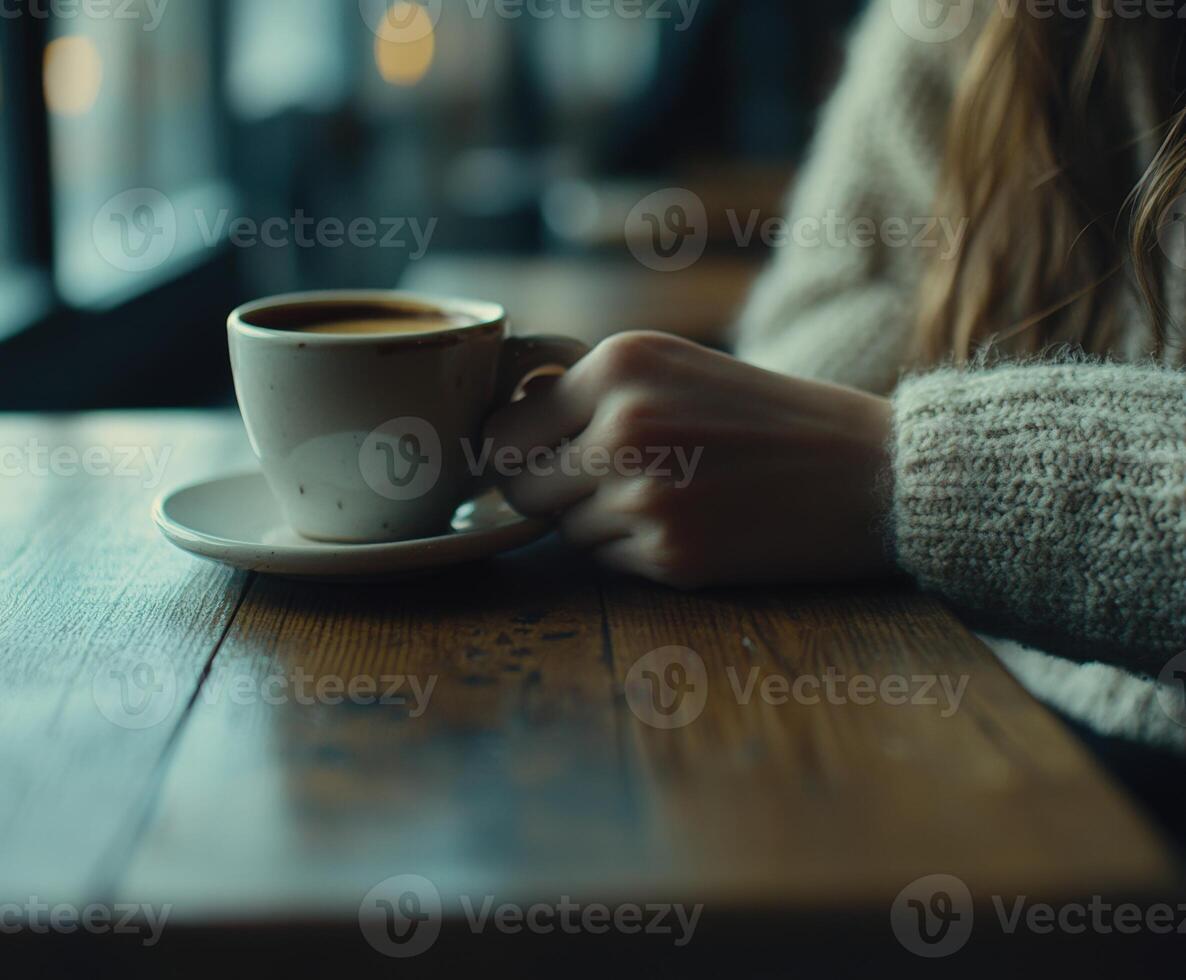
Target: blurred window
(587,65)
(24,293)
(131,103)
(286,54)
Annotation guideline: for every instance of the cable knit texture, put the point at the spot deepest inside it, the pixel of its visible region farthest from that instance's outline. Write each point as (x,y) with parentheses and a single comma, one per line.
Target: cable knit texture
(1051,496)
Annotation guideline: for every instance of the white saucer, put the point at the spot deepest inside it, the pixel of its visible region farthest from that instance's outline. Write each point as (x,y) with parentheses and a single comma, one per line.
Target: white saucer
(236,521)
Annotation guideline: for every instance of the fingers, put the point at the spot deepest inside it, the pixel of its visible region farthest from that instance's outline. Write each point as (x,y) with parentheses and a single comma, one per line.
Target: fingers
(607,401)
(591,523)
(544,418)
(641,555)
(630,556)
(557,409)
(626,359)
(548,477)
(548,483)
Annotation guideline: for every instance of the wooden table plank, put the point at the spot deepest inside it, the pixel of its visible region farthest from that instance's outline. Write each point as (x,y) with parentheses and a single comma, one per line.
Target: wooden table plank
(532,771)
(785,801)
(275,805)
(531,775)
(92,598)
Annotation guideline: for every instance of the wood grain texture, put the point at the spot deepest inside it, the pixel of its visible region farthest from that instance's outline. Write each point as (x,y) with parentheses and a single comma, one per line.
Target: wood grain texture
(844,792)
(509,780)
(532,775)
(91,598)
(484,728)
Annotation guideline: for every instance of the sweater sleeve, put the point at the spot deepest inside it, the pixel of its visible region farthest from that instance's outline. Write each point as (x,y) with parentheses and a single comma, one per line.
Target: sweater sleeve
(1053,496)
(836,303)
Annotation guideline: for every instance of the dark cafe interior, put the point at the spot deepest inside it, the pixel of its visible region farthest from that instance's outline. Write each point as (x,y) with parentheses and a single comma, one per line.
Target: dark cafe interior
(670,487)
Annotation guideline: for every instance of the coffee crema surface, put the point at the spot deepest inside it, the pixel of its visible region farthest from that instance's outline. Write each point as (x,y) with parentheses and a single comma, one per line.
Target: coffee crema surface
(390,326)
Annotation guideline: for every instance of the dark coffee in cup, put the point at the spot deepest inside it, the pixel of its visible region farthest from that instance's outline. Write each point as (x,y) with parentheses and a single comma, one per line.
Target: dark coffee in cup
(361,405)
(352,319)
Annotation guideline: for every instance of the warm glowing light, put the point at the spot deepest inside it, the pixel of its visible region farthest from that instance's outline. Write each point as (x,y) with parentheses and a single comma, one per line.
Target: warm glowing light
(405,47)
(73,75)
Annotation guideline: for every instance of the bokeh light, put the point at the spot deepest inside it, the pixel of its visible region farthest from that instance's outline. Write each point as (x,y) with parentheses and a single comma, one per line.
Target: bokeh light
(404,54)
(73,75)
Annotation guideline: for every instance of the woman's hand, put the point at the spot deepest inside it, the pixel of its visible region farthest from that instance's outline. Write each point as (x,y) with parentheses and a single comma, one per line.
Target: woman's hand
(691,468)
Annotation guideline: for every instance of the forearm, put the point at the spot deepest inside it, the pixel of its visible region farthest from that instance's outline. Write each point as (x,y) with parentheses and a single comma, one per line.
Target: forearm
(1054,496)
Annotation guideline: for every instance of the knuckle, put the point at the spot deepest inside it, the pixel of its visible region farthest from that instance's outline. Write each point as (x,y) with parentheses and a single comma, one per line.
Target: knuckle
(627,420)
(627,355)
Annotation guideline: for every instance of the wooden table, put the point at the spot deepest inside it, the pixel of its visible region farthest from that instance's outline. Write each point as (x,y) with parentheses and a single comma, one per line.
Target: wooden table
(533,772)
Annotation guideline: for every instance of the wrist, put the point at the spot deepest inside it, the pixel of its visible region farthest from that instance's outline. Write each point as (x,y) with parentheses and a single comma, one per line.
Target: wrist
(879,480)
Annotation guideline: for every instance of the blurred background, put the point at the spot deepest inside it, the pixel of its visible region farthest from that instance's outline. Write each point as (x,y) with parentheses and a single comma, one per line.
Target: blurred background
(163,160)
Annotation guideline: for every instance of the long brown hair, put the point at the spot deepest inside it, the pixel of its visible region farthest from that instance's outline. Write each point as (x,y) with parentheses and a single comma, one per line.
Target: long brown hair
(1043,160)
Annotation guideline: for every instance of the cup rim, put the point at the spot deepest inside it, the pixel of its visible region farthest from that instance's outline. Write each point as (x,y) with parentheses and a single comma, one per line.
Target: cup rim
(487,316)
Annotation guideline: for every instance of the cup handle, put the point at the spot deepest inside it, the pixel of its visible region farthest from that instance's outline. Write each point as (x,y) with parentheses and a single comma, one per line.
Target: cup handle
(523,356)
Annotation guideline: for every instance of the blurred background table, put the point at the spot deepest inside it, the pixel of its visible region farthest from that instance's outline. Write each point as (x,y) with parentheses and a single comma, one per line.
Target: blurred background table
(597,297)
(529,776)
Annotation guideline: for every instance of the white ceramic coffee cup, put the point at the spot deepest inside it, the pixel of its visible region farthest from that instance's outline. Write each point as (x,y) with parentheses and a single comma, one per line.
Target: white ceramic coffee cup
(369,438)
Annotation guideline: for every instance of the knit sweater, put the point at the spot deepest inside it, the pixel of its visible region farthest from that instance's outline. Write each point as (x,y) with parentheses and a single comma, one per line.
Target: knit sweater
(1047,500)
